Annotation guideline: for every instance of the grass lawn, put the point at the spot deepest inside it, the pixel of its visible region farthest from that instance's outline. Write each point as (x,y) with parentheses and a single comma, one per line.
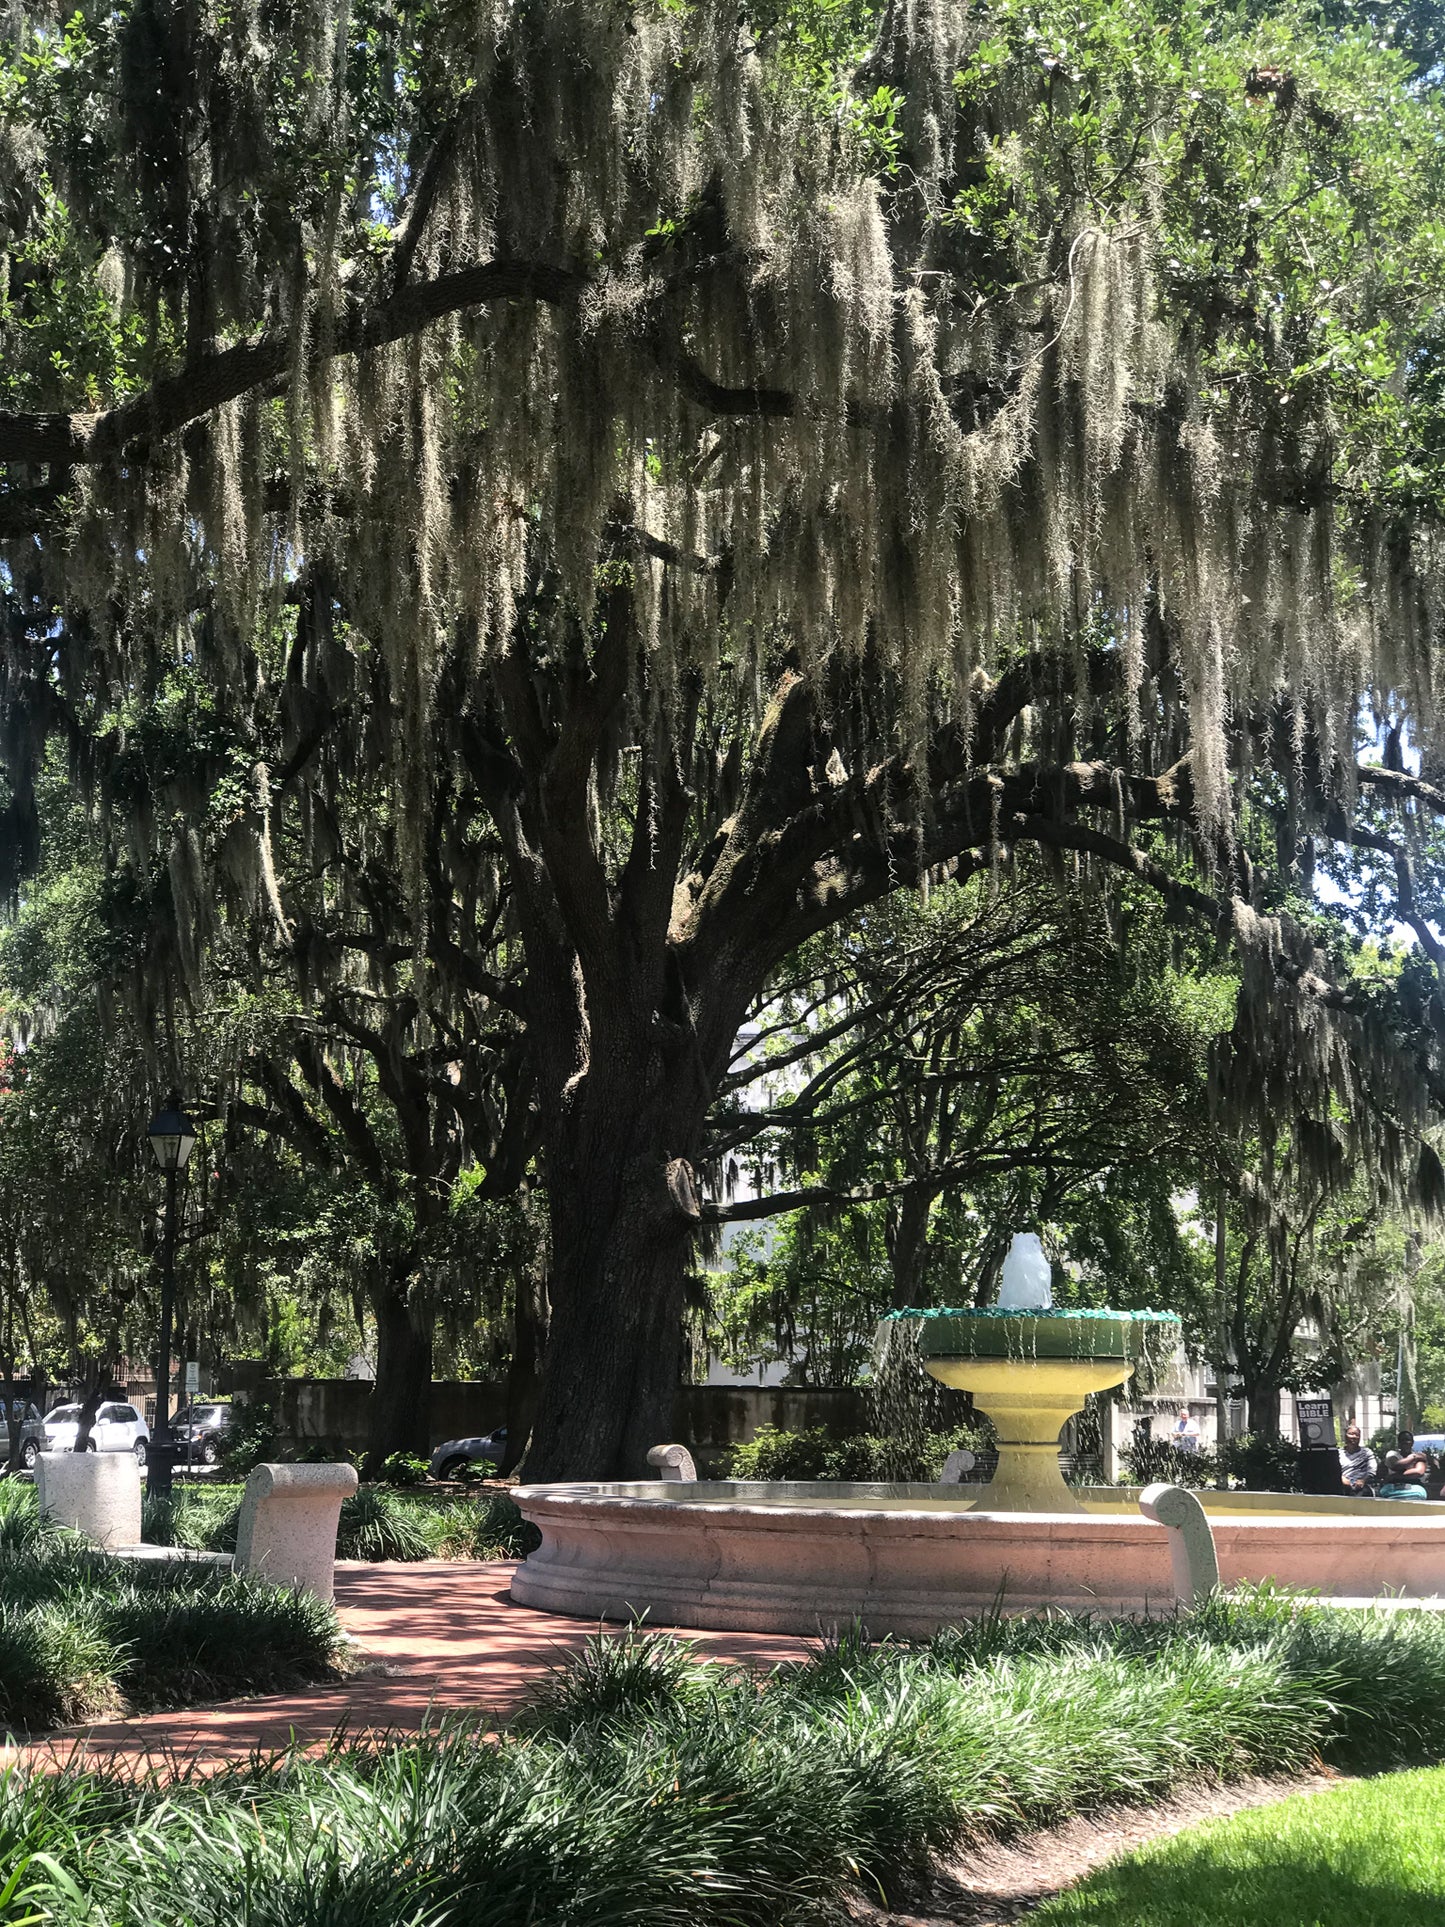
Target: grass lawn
(1370,1855)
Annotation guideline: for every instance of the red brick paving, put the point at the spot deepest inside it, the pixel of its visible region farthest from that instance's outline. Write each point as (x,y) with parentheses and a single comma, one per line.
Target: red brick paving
(439,1637)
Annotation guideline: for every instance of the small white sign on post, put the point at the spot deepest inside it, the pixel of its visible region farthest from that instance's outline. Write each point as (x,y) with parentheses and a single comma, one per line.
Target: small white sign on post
(193,1377)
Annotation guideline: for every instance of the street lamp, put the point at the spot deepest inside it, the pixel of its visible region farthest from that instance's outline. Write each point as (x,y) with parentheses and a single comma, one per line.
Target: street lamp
(173,1138)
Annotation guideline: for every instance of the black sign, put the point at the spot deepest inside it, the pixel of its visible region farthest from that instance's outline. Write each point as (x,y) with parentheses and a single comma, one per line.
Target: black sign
(1316,1418)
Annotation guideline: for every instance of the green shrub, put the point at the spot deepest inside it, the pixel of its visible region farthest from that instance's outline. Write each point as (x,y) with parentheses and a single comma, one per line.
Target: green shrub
(488,1527)
(1262,1464)
(58,1664)
(81,1634)
(630,1673)
(404,1469)
(777,1456)
(1150,1461)
(197,1518)
(1259,1464)
(374,1526)
(643,1787)
(187,1634)
(20,1526)
(250,1440)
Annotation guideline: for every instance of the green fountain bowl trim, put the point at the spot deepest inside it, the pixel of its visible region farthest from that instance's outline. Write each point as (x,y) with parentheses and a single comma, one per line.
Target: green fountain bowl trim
(994,1332)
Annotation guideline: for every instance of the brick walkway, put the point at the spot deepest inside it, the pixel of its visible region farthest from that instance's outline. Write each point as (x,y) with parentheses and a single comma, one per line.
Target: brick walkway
(441,1636)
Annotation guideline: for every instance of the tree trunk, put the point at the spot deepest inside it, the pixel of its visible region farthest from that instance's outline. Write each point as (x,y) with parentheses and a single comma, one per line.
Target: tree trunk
(620,1254)
(524,1373)
(89,1406)
(399,1413)
(1262,1406)
(908,1253)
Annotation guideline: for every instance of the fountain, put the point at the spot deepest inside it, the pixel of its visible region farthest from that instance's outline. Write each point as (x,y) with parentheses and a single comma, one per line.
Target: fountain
(1030,1367)
(907,1558)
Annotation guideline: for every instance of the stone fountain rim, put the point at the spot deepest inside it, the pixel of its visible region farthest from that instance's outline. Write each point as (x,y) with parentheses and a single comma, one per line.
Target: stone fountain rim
(663,1497)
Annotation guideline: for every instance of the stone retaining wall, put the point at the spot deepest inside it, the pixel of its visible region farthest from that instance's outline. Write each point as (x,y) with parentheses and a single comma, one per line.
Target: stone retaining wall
(332,1412)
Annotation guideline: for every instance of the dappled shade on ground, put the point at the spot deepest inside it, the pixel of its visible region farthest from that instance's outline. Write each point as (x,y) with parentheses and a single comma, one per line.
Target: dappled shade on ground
(433,1638)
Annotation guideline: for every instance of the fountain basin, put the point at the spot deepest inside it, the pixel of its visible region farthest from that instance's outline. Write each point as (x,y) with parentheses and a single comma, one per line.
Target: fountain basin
(1030,1371)
(908,1559)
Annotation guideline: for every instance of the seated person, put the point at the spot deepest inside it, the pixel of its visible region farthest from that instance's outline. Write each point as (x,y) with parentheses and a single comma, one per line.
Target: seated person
(1357,1464)
(1399,1481)
(1414,1465)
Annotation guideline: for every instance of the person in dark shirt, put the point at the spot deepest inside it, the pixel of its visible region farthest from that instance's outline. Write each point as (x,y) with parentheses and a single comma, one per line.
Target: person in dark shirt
(1404,1477)
(1414,1466)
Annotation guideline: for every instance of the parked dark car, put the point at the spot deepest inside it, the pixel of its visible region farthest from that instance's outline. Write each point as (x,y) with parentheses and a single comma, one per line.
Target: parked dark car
(449,1459)
(32,1432)
(199,1431)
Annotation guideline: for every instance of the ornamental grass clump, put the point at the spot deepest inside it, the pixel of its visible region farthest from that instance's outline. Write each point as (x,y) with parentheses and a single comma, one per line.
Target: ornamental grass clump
(642,1786)
(82,1634)
(376,1526)
(377,1523)
(488,1527)
(198,1521)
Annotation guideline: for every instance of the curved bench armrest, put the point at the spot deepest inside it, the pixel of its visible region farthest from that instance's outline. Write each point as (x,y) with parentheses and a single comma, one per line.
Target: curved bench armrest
(673,1462)
(1191,1542)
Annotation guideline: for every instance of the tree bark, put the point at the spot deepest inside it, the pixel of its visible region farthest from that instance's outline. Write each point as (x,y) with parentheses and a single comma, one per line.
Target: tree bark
(399,1413)
(908,1252)
(1262,1404)
(622,1236)
(524,1373)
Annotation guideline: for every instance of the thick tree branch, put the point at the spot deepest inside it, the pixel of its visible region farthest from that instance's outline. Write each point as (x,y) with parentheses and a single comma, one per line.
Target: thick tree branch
(174,400)
(426,184)
(322,1078)
(1399,785)
(745,1210)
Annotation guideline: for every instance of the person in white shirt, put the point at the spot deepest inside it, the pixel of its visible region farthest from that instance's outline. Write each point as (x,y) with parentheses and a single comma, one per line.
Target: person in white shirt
(1185,1436)
(1357,1464)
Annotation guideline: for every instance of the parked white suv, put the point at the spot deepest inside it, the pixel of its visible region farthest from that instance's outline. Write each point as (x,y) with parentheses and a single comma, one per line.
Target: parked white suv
(117,1428)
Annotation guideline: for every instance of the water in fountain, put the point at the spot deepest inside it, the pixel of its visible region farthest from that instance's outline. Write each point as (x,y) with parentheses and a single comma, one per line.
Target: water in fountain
(909,1410)
(907,1406)
(1027,1282)
(900,1397)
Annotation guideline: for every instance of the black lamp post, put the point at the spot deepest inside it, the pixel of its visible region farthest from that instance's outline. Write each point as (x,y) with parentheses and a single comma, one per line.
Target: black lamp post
(172,1137)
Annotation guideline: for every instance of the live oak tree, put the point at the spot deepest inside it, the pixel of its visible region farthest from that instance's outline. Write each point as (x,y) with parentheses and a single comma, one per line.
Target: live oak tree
(697,467)
(942,1073)
(359,1162)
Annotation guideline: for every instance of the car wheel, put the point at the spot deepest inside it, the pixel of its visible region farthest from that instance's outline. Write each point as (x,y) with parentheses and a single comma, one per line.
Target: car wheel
(210,1451)
(453,1468)
(140,1451)
(29,1453)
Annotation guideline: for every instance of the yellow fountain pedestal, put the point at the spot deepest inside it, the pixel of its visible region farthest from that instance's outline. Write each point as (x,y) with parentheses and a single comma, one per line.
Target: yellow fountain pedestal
(1029,1400)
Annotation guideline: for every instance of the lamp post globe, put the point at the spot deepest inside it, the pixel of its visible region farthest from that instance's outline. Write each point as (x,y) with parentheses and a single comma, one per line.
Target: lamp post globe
(173,1137)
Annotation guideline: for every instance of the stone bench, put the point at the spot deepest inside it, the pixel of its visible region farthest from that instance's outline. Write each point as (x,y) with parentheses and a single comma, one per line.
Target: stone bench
(286,1532)
(97,1493)
(287,1529)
